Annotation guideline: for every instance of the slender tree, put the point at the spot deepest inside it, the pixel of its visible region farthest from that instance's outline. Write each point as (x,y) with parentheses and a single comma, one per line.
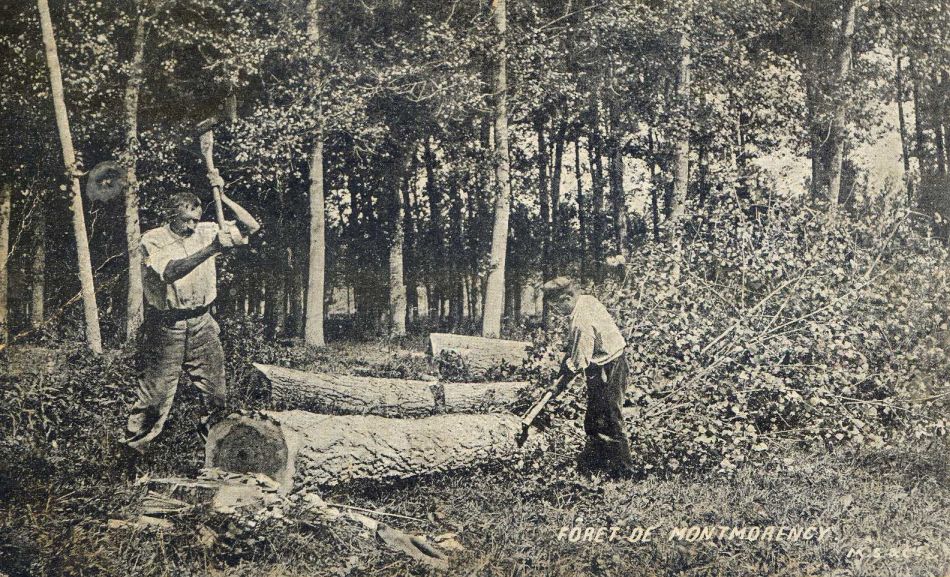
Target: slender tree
(133,231)
(845,48)
(681,144)
(313,325)
(90,308)
(38,269)
(495,287)
(6,194)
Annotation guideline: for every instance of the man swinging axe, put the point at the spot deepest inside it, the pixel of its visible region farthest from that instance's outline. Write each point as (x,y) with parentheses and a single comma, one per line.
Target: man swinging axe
(595,347)
(180,282)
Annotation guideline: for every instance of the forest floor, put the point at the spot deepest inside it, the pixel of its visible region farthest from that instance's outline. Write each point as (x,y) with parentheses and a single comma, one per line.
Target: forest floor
(878,512)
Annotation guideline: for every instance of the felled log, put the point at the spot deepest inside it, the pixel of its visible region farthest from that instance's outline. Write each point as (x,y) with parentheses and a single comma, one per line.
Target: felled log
(354,395)
(321,450)
(479,353)
(348,394)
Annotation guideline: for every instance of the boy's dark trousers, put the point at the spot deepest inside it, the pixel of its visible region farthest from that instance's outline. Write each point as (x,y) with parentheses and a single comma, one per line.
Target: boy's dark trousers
(608,447)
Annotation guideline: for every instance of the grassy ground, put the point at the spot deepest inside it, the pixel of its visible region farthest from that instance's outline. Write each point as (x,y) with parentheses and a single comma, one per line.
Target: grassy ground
(885,513)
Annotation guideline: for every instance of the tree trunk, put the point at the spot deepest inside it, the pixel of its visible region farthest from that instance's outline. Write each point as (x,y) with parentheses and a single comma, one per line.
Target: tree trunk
(457,296)
(133,233)
(313,325)
(90,308)
(905,140)
(597,204)
(38,272)
(321,450)
(397,284)
(681,146)
(435,231)
(936,103)
(945,111)
(557,167)
(615,173)
(410,249)
(920,147)
(838,121)
(354,395)
(581,209)
(545,224)
(6,202)
(495,286)
(277,298)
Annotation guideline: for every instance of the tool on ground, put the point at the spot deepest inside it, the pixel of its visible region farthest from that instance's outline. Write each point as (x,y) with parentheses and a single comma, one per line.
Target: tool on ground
(206,129)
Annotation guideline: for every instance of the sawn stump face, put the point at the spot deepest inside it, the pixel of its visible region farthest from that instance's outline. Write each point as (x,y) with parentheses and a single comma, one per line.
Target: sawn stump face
(244,444)
(250,451)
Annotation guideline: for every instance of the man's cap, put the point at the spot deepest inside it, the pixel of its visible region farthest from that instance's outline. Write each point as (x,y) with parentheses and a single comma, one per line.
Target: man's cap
(557,285)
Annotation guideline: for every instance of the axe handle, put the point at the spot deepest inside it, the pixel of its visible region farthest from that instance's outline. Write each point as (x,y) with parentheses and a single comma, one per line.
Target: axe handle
(207,146)
(532,413)
(555,391)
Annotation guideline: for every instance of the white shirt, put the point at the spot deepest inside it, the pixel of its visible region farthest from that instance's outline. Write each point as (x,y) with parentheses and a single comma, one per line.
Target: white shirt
(196,289)
(593,337)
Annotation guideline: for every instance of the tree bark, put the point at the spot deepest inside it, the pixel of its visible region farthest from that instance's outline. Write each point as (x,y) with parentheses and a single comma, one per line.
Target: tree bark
(838,121)
(495,287)
(457,291)
(545,224)
(90,308)
(920,147)
(38,269)
(615,173)
(581,209)
(313,325)
(435,232)
(681,146)
(937,107)
(6,202)
(597,200)
(410,250)
(902,121)
(557,167)
(479,353)
(355,395)
(133,232)
(397,284)
(321,450)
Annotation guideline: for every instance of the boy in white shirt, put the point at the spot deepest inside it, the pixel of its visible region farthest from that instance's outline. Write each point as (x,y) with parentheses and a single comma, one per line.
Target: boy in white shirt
(596,347)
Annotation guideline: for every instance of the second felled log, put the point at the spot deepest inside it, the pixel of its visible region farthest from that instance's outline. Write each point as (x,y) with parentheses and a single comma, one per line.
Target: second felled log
(479,353)
(322,450)
(349,395)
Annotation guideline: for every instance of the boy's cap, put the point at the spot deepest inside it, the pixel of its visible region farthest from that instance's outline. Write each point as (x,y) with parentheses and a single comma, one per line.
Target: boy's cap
(557,285)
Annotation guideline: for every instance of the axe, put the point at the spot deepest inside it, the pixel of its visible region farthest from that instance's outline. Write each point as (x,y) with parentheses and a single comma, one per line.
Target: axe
(559,387)
(205,129)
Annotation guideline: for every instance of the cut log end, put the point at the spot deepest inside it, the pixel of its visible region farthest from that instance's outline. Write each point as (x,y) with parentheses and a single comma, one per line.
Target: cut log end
(250,445)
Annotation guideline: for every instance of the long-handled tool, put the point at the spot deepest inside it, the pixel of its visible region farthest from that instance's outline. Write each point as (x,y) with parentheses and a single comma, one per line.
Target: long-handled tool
(555,391)
(206,129)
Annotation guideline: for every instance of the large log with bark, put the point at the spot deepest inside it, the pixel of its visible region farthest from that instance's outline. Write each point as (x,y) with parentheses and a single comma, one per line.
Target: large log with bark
(355,395)
(323,450)
(479,353)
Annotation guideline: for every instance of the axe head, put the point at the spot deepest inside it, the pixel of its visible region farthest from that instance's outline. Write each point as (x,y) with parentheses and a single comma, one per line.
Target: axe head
(205,125)
(206,138)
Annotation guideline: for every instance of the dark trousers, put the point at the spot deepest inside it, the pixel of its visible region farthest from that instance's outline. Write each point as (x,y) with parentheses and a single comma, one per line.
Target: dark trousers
(168,346)
(608,447)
